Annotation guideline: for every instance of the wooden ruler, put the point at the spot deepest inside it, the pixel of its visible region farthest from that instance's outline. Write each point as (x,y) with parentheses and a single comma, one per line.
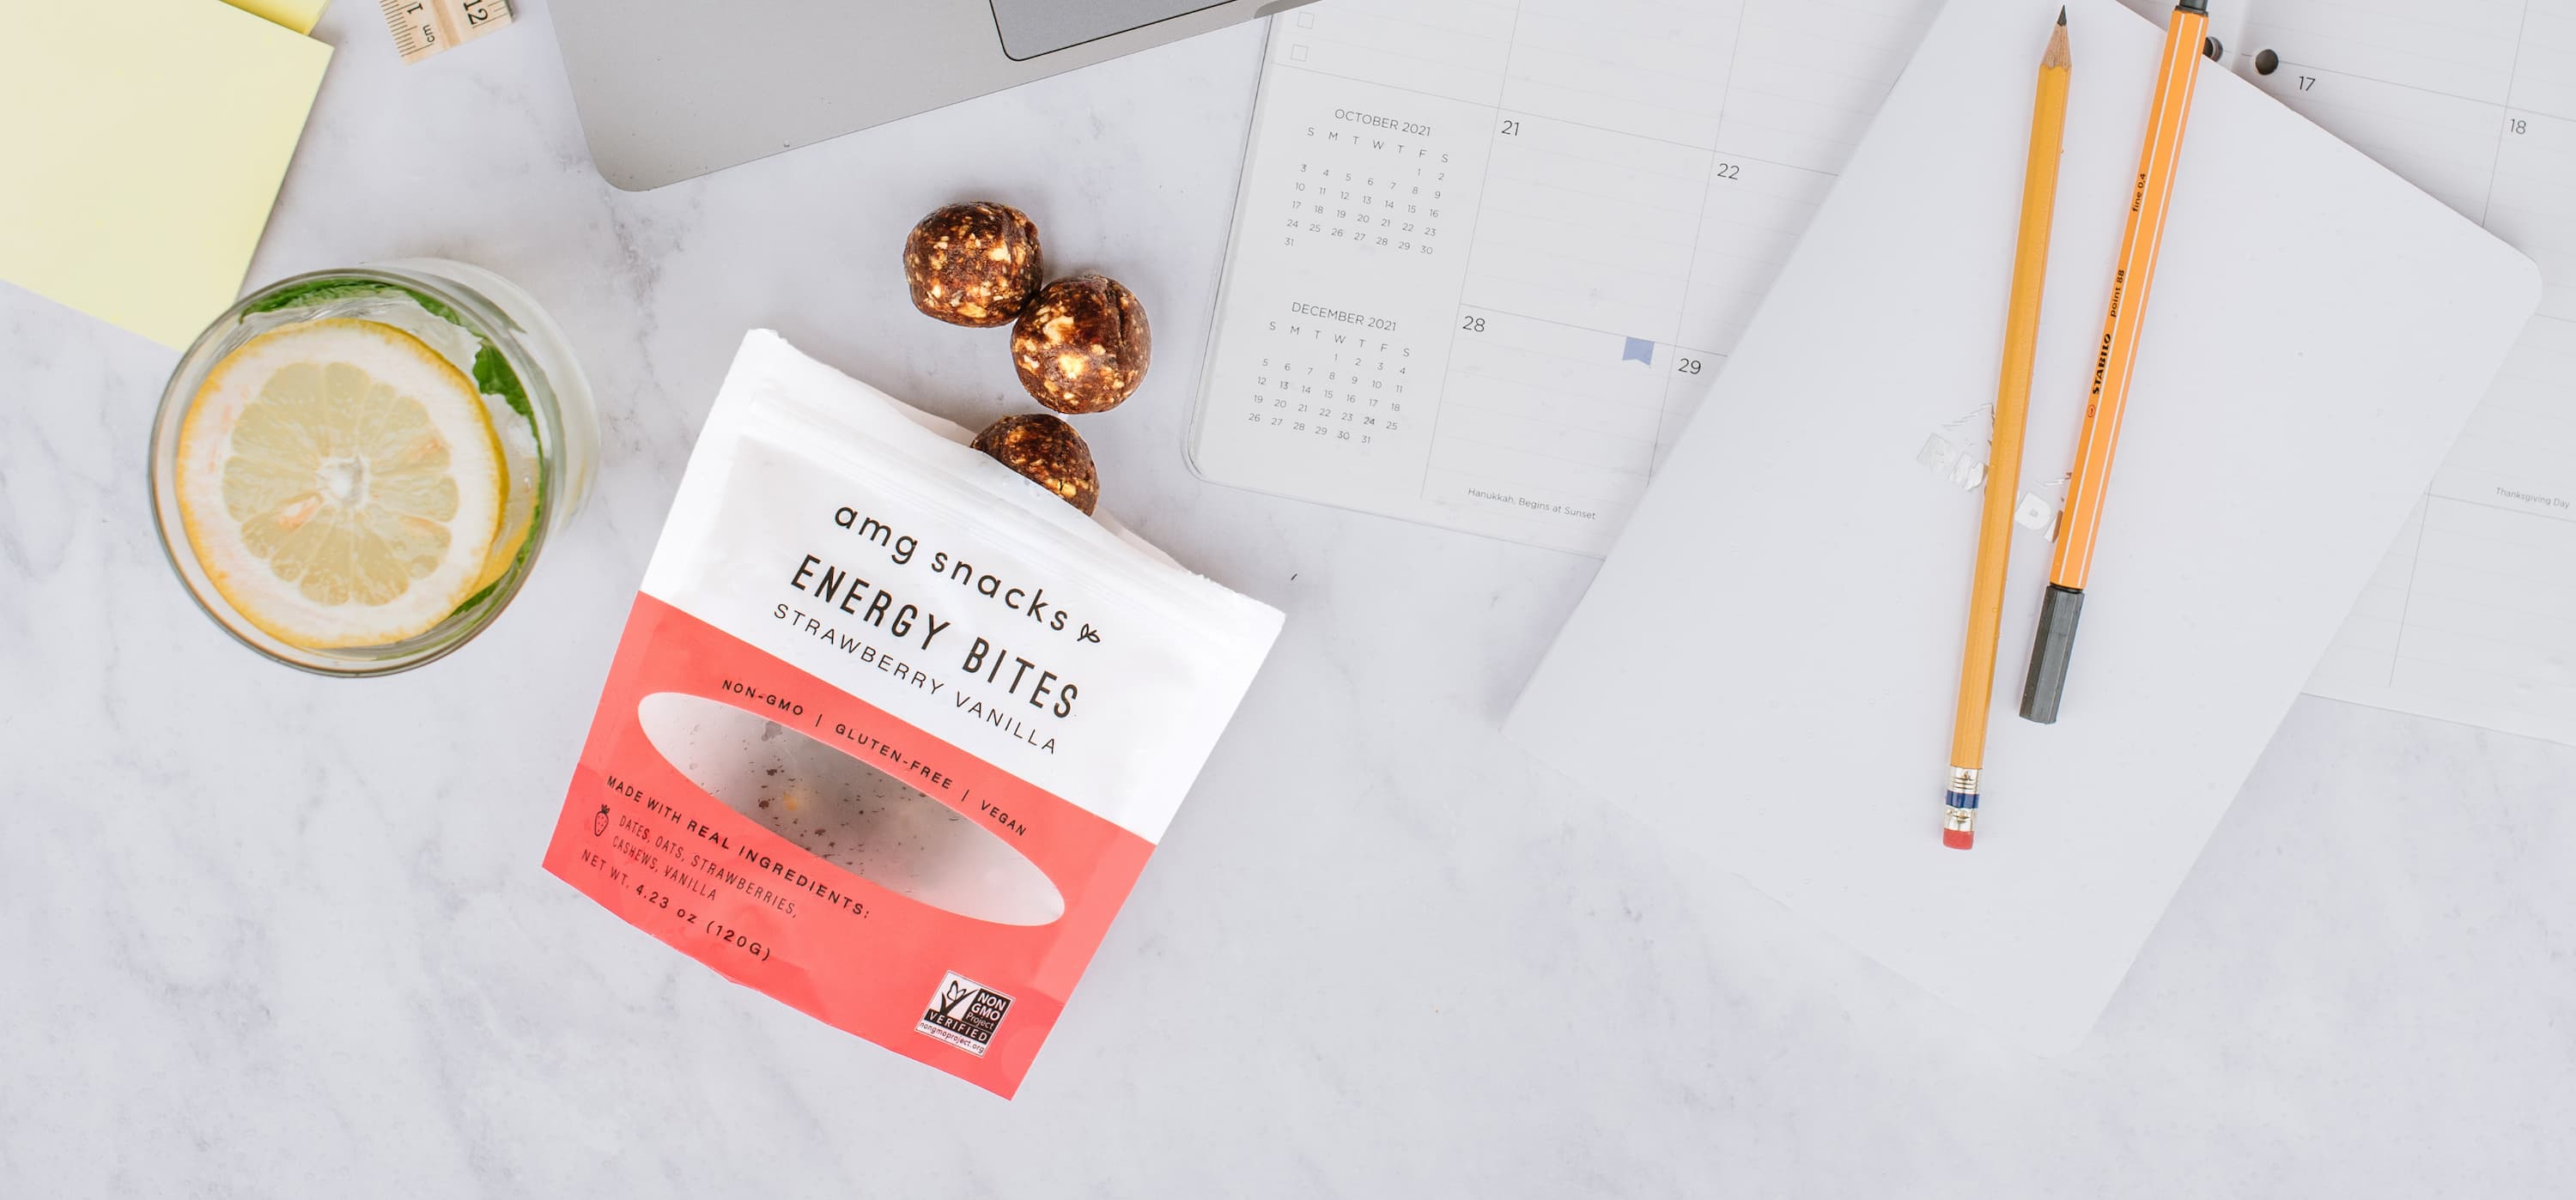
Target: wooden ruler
(425,27)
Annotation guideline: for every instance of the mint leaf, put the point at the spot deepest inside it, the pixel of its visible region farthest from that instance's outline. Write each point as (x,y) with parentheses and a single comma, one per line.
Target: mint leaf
(479,597)
(327,291)
(492,374)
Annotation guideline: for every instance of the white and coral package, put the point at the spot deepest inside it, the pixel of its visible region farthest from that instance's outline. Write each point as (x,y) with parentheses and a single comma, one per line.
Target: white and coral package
(891,730)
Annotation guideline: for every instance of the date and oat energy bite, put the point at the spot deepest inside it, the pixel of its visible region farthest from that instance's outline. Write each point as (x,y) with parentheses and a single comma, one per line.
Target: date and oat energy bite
(973,264)
(1046,450)
(1083,345)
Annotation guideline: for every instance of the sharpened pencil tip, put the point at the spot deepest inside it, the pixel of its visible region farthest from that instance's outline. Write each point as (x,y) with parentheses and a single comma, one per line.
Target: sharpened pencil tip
(2061,14)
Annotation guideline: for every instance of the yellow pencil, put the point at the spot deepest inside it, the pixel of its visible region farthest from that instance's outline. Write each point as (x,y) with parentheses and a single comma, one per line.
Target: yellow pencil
(2003,468)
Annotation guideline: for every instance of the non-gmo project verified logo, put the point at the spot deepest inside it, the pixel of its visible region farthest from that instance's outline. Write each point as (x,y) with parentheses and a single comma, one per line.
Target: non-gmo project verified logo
(964,1014)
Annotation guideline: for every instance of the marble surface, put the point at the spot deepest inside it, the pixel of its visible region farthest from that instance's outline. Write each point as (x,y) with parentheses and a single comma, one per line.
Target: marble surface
(268,935)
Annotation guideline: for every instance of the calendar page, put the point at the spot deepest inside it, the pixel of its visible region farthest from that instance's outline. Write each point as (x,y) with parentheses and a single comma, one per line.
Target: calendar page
(1488,255)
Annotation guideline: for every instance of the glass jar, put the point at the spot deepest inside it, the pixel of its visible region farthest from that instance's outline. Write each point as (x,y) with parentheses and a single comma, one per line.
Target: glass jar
(539,406)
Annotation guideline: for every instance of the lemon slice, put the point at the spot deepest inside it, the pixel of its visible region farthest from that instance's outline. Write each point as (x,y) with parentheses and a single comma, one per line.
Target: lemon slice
(340,483)
(519,516)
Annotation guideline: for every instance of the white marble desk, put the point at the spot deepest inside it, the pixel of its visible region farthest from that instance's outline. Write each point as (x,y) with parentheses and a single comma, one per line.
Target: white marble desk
(268,935)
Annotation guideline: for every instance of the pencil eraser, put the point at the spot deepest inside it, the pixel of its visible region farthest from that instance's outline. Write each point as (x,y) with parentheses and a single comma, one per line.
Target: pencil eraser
(1958,839)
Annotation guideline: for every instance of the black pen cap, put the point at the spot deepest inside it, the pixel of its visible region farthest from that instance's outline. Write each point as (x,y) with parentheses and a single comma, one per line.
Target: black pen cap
(2049,653)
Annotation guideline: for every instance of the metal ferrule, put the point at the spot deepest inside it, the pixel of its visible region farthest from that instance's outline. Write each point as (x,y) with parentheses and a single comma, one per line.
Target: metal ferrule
(1964,779)
(1961,820)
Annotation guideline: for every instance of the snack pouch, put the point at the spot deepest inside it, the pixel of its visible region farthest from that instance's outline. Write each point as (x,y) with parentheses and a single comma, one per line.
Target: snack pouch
(891,729)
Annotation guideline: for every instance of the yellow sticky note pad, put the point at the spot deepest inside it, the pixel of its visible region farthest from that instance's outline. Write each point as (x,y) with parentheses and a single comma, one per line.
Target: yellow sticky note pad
(298,15)
(142,145)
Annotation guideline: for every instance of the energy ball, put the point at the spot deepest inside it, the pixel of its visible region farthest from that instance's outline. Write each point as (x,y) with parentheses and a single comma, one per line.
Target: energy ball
(1046,450)
(1082,346)
(973,264)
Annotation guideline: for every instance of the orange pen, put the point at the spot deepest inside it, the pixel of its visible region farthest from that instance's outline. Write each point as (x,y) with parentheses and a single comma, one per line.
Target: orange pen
(2114,359)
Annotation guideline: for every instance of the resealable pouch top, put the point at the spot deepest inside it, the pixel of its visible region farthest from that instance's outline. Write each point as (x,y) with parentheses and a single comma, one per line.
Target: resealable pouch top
(891,729)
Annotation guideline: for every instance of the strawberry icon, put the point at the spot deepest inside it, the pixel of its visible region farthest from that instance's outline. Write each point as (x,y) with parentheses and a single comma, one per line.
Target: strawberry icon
(599,823)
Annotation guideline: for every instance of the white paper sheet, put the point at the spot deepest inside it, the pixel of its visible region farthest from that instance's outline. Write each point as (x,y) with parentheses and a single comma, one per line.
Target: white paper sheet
(1766,665)
(2472,615)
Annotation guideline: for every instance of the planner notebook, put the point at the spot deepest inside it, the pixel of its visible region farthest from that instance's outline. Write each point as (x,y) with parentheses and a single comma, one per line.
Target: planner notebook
(1765,667)
(144,143)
